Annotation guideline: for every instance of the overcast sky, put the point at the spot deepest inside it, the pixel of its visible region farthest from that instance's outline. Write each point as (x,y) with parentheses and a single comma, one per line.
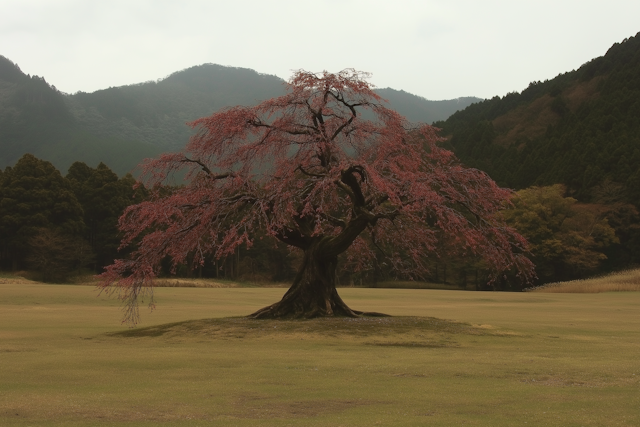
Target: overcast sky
(435,49)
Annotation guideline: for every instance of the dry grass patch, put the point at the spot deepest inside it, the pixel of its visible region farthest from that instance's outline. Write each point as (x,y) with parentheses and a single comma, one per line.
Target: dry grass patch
(624,281)
(10,278)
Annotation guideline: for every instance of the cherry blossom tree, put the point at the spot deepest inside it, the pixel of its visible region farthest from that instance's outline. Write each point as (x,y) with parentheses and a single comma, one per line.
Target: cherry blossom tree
(326,168)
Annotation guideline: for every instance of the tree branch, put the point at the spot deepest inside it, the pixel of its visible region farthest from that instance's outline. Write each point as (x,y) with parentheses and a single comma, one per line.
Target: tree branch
(355,191)
(309,173)
(293,238)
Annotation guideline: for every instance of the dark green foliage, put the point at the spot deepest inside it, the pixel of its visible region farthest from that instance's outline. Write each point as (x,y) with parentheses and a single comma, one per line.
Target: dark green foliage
(33,196)
(568,240)
(590,139)
(56,226)
(55,255)
(581,129)
(103,197)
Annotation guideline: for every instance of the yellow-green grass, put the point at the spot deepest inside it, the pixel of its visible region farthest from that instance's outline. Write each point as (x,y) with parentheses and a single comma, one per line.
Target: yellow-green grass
(449,358)
(623,281)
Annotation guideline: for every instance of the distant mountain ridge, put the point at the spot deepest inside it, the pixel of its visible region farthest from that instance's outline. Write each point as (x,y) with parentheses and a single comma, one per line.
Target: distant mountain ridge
(157,112)
(121,125)
(419,109)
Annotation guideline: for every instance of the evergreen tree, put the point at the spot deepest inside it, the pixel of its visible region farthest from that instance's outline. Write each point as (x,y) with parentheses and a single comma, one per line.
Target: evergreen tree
(34,196)
(103,197)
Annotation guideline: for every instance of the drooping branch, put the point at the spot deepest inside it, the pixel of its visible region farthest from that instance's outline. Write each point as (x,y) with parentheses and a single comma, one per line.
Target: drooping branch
(372,201)
(315,175)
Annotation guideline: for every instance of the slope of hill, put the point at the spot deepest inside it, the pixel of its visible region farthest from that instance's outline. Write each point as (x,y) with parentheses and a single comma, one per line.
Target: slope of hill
(34,118)
(157,112)
(122,125)
(581,129)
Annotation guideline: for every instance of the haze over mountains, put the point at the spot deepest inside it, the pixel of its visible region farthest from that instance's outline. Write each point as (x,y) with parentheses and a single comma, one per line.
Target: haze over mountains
(122,125)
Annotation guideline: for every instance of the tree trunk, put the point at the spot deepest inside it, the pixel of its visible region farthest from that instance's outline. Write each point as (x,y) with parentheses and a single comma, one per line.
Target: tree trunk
(313,292)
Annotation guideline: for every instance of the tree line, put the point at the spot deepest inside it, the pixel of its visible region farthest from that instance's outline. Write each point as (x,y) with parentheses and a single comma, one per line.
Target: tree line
(57,226)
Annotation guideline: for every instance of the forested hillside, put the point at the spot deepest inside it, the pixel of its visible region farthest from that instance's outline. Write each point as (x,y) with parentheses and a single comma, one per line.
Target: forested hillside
(580,129)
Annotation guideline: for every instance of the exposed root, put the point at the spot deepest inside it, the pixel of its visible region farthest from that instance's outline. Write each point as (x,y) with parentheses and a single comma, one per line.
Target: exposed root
(282,310)
(371,314)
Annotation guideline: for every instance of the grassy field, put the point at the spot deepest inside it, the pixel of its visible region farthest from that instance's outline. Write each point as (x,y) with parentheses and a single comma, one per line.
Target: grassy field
(450,358)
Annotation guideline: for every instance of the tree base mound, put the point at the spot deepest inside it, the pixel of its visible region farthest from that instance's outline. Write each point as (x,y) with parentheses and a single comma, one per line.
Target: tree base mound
(292,306)
(271,312)
(383,331)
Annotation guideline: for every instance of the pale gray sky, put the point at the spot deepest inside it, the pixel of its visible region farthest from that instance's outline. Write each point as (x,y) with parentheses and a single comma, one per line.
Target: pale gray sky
(432,48)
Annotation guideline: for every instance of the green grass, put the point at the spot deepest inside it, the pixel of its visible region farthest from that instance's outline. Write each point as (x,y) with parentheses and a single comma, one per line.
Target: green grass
(448,358)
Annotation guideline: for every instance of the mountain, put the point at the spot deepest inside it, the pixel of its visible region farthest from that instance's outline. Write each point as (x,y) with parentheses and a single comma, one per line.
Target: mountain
(120,126)
(418,109)
(35,118)
(580,129)
(157,112)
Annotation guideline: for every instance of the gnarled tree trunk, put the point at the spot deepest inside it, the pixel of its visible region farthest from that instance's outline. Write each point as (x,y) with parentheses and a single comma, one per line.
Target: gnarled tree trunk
(313,293)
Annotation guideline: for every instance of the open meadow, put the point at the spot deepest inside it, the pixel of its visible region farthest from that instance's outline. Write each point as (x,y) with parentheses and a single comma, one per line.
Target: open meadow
(448,358)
